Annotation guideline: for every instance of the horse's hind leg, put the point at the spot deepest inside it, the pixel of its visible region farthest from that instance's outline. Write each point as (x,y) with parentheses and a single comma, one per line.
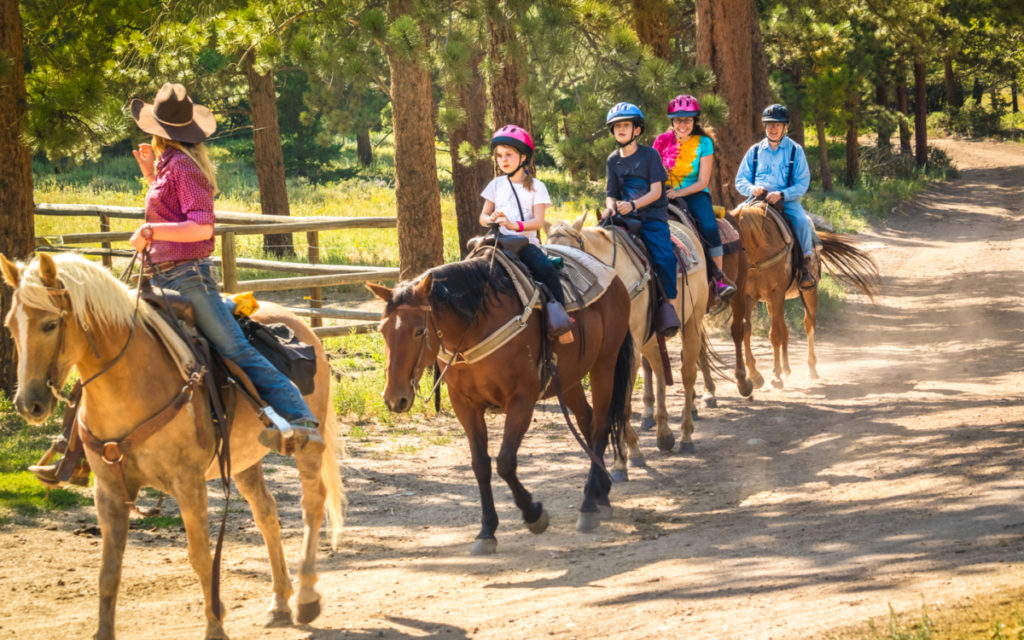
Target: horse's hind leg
(636,457)
(112,514)
(810,300)
(190,492)
(264,510)
(648,420)
(314,494)
(653,364)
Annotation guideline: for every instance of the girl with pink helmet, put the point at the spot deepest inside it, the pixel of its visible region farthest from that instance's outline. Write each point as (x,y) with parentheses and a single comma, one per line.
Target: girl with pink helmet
(516,201)
(687,153)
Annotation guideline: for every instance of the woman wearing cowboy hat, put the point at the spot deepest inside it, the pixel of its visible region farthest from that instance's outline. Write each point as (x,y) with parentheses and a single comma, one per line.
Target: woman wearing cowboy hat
(179,235)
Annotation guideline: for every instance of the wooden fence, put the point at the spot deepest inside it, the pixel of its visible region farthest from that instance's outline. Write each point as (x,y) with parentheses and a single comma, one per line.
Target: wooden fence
(314,276)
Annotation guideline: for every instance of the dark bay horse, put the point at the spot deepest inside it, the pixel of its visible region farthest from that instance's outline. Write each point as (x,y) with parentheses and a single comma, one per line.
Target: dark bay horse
(70,312)
(771,277)
(457,306)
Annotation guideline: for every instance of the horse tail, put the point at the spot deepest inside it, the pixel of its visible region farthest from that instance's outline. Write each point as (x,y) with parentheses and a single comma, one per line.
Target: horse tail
(849,263)
(330,474)
(709,360)
(622,389)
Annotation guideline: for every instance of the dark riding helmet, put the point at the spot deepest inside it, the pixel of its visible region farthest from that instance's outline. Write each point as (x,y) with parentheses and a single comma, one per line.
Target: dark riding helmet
(775,113)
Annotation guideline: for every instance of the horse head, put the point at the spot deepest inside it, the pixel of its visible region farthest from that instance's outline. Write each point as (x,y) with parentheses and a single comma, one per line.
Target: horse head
(409,344)
(756,230)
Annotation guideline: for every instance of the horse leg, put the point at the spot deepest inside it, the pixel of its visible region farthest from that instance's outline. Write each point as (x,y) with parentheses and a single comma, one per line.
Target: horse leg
(471,416)
(648,420)
(691,353)
(779,336)
(652,359)
(755,376)
(709,399)
(314,494)
(619,471)
(517,421)
(264,510)
(740,328)
(190,492)
(112,513)
(810,300)
(596,503)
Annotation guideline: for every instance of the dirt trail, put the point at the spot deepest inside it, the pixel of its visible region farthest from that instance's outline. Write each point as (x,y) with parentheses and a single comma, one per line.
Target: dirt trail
(894,476)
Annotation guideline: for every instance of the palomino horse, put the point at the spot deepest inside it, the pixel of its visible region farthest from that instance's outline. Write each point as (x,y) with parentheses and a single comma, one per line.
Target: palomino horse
(457,306)
(771,277)
(69,313)
(690,305)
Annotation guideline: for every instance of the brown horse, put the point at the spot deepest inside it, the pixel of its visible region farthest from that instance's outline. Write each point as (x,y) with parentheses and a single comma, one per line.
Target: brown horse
(457,306)
(690,305)
(69,313)
(771,278)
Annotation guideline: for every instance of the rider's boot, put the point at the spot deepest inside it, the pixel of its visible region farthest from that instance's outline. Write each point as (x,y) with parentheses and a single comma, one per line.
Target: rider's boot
(666,321)
(810,272)
(303,432)
(560,323)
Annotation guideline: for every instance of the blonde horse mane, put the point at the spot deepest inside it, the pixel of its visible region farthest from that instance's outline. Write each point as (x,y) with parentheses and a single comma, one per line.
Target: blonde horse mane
(97,298)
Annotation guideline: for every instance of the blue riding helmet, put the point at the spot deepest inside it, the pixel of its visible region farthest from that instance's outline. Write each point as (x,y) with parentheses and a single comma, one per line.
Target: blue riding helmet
(624,111)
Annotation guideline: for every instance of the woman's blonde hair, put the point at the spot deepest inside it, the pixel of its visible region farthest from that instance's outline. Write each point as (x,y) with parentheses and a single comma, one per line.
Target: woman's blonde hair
(527,174)
(198,154)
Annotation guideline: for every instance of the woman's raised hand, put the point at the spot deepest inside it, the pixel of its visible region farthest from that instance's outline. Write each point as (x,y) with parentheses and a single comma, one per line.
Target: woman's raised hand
(145,157)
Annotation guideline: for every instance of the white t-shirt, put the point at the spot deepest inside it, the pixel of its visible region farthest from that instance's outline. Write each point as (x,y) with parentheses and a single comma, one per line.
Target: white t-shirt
(499,191)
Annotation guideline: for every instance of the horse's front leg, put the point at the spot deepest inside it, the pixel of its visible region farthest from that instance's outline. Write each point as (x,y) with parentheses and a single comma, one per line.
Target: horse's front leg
(779,336)
(648,421)
(748,354)
(653,369)
(471,416)
(517,421)
(190,492)
(810,300)
(740,329)
(620,473)
(690,355)
(112,513)
(264,510)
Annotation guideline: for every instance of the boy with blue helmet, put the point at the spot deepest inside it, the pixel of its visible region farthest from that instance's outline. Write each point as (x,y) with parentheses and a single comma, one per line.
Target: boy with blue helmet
(635,188)
(776,169)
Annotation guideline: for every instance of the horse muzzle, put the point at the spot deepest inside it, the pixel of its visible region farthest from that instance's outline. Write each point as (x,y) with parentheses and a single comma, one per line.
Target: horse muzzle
(35,402)
(399,402)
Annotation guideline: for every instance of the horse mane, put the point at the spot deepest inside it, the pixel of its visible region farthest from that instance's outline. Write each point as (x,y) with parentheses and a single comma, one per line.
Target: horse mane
(463,288)
(754,224)
(97,298)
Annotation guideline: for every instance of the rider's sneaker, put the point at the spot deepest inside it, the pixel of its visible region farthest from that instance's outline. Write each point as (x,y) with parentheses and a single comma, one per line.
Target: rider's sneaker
(723,288)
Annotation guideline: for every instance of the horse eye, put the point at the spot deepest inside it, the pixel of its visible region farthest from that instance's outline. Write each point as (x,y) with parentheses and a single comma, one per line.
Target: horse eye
(420,331)
(50,326)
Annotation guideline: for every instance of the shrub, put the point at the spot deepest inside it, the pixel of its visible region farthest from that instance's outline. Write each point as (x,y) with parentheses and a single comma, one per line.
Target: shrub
(973,120)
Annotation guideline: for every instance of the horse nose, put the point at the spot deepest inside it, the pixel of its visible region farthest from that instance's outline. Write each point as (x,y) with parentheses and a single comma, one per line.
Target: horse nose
(401,404)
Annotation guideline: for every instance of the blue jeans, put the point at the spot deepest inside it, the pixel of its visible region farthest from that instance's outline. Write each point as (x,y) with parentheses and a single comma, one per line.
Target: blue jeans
(656,236)
(700,205)
(801,225)
(215,319)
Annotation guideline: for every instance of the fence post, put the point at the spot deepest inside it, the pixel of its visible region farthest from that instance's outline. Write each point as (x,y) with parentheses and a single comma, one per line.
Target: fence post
(229,269)
(108,261)
(315,293)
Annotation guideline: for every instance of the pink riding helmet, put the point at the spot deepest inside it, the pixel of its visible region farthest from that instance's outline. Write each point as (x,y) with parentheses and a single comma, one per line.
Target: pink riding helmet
(683,106)
(515,137)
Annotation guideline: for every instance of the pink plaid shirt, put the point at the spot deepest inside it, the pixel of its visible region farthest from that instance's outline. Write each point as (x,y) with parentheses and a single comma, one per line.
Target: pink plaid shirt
(179,192)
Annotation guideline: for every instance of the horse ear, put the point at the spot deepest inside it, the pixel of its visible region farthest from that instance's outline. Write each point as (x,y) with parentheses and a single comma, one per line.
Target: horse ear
(578,223)
(380,291)
(11,274)
(547,228)
(422,289)
(48,270)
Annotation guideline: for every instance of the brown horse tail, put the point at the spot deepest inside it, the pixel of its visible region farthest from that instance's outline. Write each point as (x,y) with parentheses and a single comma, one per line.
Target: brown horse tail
(849,263)
(622,389)
(709,360)
(330,474)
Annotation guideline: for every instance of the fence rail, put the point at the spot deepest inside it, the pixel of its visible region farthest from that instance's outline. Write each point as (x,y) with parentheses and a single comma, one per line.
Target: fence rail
(314,275)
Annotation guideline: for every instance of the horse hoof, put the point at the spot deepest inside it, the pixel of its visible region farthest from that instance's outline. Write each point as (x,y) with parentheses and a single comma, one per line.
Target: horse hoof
(694,414)
(278,619)
(604,511)
(745,387)
(686,448)
(484,547)
(638,462)
(308,612)
(778,383)
(710,402)
(757,381)
(539,525)
(620,475)
(647,423)
(666,442)
(813,375)
(589,520)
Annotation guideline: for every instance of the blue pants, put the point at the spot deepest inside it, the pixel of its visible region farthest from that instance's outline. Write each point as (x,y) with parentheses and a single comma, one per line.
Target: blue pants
(215,318)
(700,205)
(801,225)
(656,236)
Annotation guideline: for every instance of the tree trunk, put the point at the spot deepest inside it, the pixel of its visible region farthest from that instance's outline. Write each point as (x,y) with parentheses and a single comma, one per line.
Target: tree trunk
(269,157)
(17,229)
(467,182)
(954,98)
(823,163)
(741,78)
(418,195)
(796,111)
(884,126)
(651,20)
(977,91)
(507,107)
(364,150)
(1013,97)
(904,109)
(920,114)
(852,144)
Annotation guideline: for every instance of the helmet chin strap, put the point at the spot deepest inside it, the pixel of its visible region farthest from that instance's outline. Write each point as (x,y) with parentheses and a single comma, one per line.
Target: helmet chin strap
(623,145)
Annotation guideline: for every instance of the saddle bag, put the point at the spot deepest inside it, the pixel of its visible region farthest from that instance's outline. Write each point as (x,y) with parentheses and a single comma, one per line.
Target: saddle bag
(512,244)
(279,344)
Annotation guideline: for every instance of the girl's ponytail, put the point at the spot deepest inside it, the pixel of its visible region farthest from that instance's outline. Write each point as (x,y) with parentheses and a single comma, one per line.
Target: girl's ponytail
(527,179)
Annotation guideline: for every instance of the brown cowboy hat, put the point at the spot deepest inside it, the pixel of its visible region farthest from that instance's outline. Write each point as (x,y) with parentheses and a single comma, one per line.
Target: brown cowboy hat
(174,116)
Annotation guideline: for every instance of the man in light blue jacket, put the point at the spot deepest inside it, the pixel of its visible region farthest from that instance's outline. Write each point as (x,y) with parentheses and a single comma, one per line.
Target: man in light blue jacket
(776,169)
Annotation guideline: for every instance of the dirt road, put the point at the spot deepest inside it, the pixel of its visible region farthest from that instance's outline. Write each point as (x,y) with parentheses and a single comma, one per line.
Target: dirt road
(895,476)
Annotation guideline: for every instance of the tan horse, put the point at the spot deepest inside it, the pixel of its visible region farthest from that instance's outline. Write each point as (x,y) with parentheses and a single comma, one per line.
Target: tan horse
(770,277)
(69,313)
(690,305)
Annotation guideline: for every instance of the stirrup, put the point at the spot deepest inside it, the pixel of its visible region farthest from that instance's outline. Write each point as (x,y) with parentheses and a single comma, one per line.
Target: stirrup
(303,438)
